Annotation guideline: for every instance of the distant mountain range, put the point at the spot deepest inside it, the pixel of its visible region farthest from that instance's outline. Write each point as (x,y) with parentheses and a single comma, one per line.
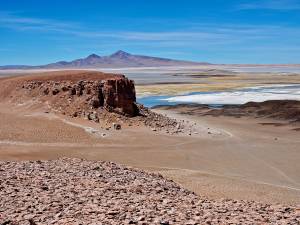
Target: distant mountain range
(116,60)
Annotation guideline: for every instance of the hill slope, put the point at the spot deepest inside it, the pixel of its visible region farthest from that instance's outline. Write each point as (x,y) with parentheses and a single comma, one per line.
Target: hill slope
(74,191)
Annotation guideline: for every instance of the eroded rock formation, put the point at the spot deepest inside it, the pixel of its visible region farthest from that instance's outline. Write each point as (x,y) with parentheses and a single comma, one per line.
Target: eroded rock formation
(99,97)
(77,97)
(119,95)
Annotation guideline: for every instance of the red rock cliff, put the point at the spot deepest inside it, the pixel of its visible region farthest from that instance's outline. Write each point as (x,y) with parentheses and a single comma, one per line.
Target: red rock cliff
(119,95)
(77,93)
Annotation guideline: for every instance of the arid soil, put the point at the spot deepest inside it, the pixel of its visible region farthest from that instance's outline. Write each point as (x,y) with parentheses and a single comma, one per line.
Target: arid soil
(73,191)
(221,157)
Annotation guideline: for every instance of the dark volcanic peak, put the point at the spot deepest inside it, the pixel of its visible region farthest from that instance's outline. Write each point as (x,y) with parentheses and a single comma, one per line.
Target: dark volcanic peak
(62,62)
(93,56)
(120,54)
(118,59)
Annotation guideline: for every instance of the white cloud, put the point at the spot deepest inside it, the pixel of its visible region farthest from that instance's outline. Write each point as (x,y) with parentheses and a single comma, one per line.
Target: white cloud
(13,21)
(271,5)
(196,35)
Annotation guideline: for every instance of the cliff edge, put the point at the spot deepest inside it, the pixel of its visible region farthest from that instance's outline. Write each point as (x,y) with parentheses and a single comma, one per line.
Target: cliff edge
(74,92)
(96,96)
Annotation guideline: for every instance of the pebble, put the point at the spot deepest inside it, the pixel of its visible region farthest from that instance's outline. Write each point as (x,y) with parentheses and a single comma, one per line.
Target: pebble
(95,192)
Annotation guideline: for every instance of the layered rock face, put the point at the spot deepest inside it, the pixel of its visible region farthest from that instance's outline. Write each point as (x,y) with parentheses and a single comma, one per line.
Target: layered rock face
(119,95)
(78,97)
(84,94)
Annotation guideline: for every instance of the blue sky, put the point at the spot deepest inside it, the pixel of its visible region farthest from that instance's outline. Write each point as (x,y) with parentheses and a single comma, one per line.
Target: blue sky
(217,31)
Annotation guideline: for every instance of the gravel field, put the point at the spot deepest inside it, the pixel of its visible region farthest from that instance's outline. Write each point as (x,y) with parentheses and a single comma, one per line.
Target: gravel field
(75,191)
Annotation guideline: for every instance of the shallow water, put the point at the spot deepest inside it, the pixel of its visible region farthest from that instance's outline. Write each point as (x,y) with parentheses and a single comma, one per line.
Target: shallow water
(233,97)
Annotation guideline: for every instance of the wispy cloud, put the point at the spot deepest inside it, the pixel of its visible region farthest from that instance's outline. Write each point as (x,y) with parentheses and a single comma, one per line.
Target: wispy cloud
(200,36)
(270,5)
(211,33)
(17,22)
(5,50)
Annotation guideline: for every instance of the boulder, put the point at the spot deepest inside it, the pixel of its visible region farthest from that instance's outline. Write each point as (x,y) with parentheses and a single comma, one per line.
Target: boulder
(55,91)
(117,126)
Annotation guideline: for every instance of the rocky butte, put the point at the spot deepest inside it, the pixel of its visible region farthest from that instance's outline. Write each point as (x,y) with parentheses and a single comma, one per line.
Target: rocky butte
(96,96)
(75,92)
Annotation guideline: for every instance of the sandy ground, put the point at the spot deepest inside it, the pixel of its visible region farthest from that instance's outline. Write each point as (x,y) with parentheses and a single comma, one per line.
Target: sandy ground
(223,158)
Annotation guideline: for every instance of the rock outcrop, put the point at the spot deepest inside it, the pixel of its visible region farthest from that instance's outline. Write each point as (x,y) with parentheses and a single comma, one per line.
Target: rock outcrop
(114,95)
(119,95)
(99,97)
(77,93)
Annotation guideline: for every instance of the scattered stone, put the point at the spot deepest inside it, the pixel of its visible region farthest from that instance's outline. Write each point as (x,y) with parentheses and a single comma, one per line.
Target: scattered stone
(55,91)
(93,116)
(31,222)
(116,126)
(46,91)
(64,88)
(75,114)
(93,192)
(95,103)
(159,122)
(73,91)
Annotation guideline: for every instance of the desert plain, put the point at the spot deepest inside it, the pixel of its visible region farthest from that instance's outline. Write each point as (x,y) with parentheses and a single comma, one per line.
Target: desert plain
(219,157)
